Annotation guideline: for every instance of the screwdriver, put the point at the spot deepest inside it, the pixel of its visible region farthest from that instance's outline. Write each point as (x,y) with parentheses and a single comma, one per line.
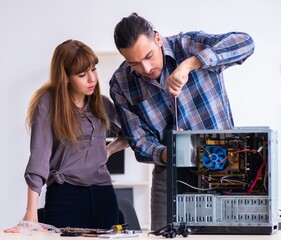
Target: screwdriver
(176,113)
(119,227)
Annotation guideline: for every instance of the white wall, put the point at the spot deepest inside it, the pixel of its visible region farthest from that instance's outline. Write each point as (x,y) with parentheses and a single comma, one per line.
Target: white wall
(31,29)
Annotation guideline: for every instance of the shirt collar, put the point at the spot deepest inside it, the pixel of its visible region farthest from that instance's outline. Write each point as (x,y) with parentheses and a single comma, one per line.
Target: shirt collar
(166,48)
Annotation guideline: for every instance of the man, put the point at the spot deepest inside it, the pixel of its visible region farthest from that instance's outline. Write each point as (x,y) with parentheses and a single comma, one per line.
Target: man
(171,83)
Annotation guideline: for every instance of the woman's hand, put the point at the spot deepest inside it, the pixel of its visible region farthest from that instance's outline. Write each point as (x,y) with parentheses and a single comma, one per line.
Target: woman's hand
(15,229)
(29,216)
(31,211)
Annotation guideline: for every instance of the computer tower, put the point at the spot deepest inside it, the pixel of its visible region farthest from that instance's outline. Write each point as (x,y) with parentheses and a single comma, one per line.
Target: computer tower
(223,181)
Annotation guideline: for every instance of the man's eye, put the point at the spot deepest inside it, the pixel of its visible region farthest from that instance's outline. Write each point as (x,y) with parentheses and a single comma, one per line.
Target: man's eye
(133,64)
(149,56)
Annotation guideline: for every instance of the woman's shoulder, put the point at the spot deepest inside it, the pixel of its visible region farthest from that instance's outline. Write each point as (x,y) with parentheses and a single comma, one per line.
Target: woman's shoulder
(45,99)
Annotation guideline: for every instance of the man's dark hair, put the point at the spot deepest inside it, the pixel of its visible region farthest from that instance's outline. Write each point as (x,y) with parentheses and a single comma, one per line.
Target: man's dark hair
(129,29)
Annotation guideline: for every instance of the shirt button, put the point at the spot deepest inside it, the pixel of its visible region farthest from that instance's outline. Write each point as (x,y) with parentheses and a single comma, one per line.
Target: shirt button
(93,137)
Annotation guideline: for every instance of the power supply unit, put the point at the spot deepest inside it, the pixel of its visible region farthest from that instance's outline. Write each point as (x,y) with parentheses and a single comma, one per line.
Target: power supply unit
(223,181)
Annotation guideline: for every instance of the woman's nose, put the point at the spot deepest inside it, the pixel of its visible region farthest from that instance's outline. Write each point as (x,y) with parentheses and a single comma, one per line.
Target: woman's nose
(91,77)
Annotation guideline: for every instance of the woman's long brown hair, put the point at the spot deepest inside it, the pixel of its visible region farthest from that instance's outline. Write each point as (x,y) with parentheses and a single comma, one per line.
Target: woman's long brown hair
(70,57)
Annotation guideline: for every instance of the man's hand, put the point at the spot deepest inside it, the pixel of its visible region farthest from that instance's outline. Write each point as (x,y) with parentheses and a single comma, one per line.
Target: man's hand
(164,156)
(179,76)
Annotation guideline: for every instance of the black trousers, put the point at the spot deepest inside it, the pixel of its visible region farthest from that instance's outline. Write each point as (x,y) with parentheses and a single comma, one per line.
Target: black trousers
(67,205)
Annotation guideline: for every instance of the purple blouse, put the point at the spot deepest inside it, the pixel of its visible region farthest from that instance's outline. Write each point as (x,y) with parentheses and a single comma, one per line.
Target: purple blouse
(83,164)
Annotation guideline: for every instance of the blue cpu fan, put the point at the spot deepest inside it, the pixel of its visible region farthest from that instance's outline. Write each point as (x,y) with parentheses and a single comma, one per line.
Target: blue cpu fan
(214,157)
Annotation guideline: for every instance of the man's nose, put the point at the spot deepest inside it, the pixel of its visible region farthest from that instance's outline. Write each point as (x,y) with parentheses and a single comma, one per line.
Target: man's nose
(146,67)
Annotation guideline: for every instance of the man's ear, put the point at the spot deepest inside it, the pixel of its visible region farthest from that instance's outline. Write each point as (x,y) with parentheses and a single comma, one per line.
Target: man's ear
(158,39)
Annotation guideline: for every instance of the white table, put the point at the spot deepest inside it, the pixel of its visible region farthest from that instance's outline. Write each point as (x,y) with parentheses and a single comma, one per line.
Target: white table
(141,236)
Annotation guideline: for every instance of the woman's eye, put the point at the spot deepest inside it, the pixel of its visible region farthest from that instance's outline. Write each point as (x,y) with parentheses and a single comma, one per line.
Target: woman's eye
(82,75)
(93,69)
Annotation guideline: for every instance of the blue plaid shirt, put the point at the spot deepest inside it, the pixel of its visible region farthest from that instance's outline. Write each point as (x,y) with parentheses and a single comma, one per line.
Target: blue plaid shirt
(146,108)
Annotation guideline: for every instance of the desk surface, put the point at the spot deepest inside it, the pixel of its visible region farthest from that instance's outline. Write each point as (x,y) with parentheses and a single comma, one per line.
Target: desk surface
(141,236)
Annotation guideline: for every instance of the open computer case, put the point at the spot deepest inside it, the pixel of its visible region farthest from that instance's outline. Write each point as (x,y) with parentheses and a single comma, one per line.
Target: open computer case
(223,181)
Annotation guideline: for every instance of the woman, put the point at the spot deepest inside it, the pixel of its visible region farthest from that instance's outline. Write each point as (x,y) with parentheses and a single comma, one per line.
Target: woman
(68,118)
